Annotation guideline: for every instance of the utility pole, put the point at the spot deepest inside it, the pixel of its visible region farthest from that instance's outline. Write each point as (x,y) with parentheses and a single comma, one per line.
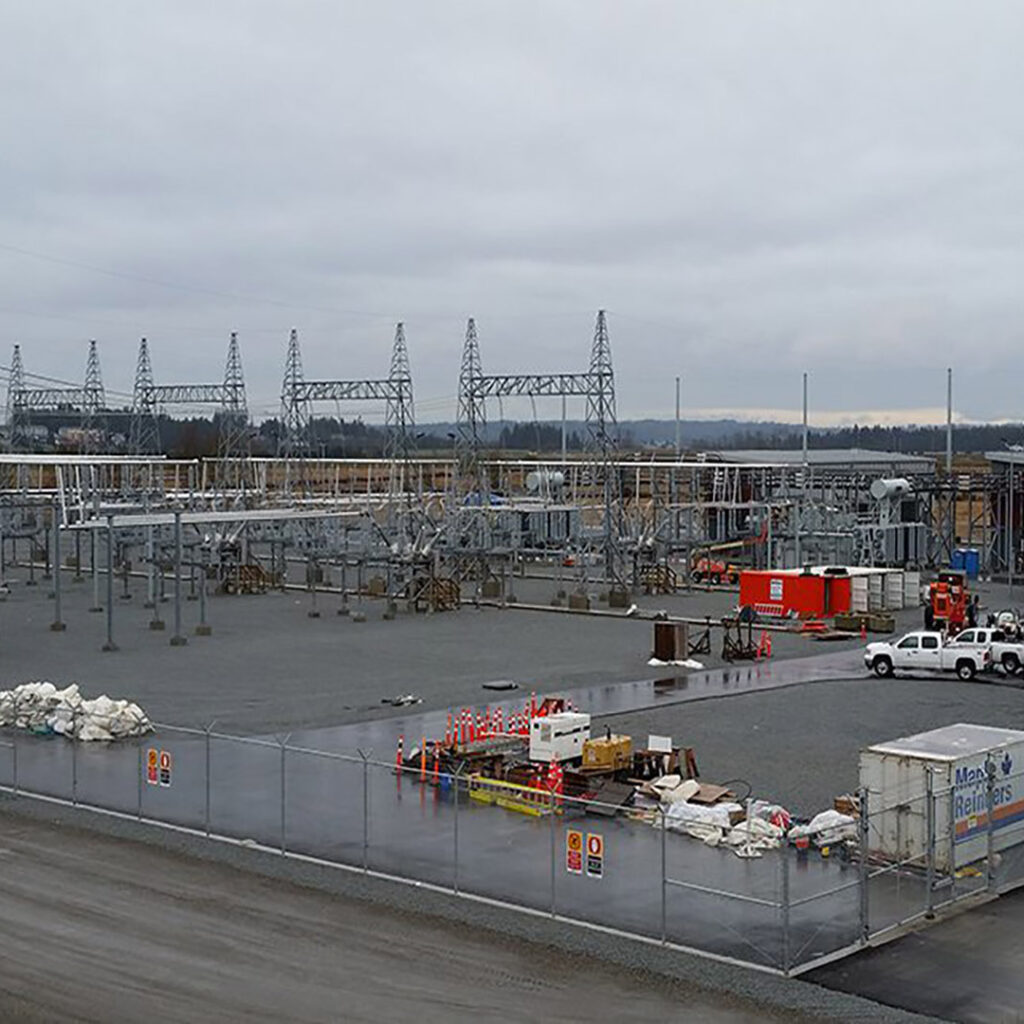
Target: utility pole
(803,481)
(678,446)
(949,421)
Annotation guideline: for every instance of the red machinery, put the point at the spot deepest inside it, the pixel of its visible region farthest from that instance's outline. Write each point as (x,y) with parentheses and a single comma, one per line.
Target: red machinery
(713,569)
(949,606)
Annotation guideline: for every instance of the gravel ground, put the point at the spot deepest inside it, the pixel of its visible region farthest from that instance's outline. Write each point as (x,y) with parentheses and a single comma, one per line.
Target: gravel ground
(799,745)
(720,991)
(269,666)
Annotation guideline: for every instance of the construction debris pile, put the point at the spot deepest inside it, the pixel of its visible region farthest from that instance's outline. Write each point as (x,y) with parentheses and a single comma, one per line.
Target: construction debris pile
(543,760)
(43,709)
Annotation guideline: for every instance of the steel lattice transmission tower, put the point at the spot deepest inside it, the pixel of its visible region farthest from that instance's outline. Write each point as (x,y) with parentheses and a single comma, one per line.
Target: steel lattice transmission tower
(93,400)
(234,440)
(144,433)
(17,420)
(293,436)
(602,425)
(602,446)
(471,418)
(400,417)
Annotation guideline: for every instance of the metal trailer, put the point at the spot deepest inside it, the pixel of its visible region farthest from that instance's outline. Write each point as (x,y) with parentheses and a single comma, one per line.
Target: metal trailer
(975,771)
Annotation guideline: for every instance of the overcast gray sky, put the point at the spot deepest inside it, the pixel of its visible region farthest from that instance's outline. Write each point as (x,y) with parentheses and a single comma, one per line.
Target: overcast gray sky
(751,190)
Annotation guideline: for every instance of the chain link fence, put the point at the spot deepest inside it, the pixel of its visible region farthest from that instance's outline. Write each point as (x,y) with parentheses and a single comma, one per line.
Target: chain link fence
(609,866)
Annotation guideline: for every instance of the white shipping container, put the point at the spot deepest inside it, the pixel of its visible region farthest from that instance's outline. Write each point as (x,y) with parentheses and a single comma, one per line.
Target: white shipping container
(858,593)
(957,756)
(876,582)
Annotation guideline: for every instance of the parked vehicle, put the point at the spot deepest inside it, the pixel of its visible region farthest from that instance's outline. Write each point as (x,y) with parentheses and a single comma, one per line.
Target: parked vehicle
(714,570)
(1008,621)
(948,605)
(924,651)
(1004,651)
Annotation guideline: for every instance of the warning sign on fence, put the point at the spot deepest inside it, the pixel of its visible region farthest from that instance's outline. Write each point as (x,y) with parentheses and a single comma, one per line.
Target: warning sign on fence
(574,852)
(595,855)
(158,767)
(165,767)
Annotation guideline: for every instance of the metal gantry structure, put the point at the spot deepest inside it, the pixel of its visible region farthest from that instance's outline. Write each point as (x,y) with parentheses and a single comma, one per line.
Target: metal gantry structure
(421,528)
(228,398)
(596,385)
(298,395)
(25,404)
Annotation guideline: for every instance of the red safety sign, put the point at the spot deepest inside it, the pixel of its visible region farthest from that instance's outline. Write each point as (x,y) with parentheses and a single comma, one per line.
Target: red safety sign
(152,756)
(574,852)
(165,767)
(595,855)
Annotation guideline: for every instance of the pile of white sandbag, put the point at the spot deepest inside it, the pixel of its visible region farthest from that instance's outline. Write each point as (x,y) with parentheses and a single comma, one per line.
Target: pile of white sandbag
(42,708)
(827,828)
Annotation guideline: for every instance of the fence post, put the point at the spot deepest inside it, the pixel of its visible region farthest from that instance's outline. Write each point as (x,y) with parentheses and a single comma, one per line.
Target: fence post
(366,810)
(664,880)
(457,779)
(74,763)
(206,809)
(14,762)
(284,750)
(865,812)
(952,841)
(784,906)
(990,806)
(551,805)
(138,779)
(930,866)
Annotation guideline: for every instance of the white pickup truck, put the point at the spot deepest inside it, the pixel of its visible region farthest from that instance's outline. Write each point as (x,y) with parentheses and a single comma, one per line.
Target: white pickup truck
(1005,652)
(924,651)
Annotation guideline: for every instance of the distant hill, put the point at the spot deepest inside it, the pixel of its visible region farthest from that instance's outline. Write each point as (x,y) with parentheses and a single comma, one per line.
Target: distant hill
(697,435)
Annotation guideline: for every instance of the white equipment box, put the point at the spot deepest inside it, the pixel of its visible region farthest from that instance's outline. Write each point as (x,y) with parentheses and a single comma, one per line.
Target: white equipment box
(559,737)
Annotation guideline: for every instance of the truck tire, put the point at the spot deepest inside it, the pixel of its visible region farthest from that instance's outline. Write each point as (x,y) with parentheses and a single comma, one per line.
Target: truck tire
(882,666)
(965,669)
(734,578)
(1011,663)
(716,578)
(696,575)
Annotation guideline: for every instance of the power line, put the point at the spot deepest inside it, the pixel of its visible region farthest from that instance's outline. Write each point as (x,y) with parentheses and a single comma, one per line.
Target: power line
(176,286)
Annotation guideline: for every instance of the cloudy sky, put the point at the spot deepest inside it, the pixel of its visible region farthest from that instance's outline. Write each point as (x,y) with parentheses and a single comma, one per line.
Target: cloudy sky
(750,189)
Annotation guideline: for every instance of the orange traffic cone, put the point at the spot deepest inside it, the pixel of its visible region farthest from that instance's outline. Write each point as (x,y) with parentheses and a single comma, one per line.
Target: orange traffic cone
(863,629)
(399,755)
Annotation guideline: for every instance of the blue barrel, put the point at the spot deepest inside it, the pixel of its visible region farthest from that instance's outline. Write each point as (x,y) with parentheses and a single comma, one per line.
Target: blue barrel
(958,561)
